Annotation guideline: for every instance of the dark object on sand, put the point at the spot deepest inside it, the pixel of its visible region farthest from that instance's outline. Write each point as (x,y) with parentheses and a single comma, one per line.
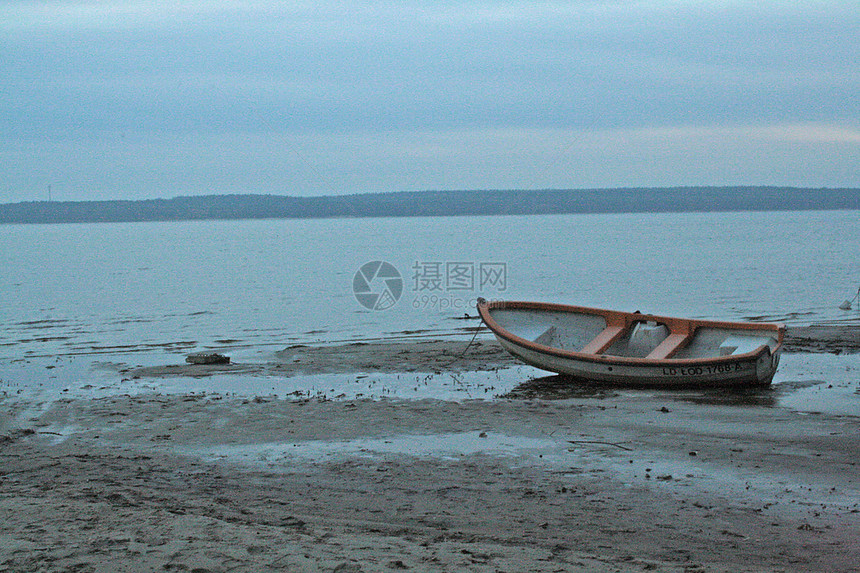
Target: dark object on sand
(631,348)
(207,358)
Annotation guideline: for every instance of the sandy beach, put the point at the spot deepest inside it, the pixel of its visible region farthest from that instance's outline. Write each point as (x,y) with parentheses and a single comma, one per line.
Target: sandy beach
(544,477)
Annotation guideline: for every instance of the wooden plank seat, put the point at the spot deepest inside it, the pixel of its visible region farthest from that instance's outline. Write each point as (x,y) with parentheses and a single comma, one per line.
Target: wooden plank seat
(670,345)
(605,339)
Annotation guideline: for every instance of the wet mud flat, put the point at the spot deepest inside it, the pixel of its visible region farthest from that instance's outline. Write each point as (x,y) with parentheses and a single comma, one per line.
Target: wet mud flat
(587,480)
(207,483)
(834,339)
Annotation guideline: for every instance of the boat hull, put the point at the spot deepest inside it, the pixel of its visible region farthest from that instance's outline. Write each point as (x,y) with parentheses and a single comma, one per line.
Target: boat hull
(690,353)
(744,372)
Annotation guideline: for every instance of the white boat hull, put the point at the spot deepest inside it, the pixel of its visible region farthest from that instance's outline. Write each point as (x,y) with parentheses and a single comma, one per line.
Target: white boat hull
(750,371)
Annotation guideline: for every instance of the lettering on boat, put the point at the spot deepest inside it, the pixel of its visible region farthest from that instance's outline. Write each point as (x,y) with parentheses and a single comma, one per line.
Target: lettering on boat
(711,369)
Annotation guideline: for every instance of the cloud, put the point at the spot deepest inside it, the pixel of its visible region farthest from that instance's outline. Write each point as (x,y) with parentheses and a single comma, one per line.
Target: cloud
(324,73)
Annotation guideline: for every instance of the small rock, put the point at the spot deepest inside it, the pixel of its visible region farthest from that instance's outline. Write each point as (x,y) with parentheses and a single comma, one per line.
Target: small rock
(207,358)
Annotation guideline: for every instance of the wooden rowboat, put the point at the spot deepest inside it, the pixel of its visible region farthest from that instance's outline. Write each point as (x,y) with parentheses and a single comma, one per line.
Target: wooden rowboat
(635,349)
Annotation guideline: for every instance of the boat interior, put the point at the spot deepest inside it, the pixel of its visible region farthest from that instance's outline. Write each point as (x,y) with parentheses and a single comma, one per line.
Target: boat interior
(622,334)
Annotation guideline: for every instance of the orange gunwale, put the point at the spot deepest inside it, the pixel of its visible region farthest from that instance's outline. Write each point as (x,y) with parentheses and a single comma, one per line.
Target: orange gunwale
(681,331)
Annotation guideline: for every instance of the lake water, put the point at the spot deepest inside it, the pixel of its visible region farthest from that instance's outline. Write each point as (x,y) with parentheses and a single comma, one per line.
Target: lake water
(150,292)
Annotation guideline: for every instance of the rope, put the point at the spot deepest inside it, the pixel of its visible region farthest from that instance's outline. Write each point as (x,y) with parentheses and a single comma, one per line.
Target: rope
(462,354)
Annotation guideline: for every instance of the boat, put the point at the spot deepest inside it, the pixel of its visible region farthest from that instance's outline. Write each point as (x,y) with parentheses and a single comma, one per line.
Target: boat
(635,349)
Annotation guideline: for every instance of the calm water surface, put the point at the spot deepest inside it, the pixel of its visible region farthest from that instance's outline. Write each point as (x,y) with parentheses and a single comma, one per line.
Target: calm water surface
(148,292)
(111,287)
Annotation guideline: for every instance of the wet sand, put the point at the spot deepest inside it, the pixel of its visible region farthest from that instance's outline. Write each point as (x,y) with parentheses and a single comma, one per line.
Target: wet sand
(434,355)
(833,339)
(607,480)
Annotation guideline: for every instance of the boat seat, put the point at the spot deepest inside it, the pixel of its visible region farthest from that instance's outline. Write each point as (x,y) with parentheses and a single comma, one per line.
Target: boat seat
(546,337)
(670,345)
(539,333)
(604,340)
(741,344)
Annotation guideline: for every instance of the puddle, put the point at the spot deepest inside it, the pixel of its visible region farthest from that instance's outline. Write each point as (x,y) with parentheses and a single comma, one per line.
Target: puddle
(450,446)
(825,383)
(346,386)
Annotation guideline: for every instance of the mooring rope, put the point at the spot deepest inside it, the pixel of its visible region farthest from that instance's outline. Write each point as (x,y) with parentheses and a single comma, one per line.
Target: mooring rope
(468,346)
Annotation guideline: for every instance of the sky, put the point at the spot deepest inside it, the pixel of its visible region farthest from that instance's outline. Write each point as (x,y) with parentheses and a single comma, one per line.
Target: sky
(147,99)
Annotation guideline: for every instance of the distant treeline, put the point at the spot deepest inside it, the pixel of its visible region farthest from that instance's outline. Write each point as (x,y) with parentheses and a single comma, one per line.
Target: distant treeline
(436,203)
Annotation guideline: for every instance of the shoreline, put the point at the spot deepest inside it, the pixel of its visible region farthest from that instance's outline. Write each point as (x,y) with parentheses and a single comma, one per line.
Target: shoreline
(437,355)
(818,338)
(436,204)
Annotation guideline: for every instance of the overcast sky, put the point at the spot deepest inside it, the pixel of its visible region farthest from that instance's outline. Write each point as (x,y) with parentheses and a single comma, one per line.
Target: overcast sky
(144,99)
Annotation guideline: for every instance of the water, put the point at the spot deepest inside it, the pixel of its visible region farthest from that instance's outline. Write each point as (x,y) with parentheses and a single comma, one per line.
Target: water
(152,292)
